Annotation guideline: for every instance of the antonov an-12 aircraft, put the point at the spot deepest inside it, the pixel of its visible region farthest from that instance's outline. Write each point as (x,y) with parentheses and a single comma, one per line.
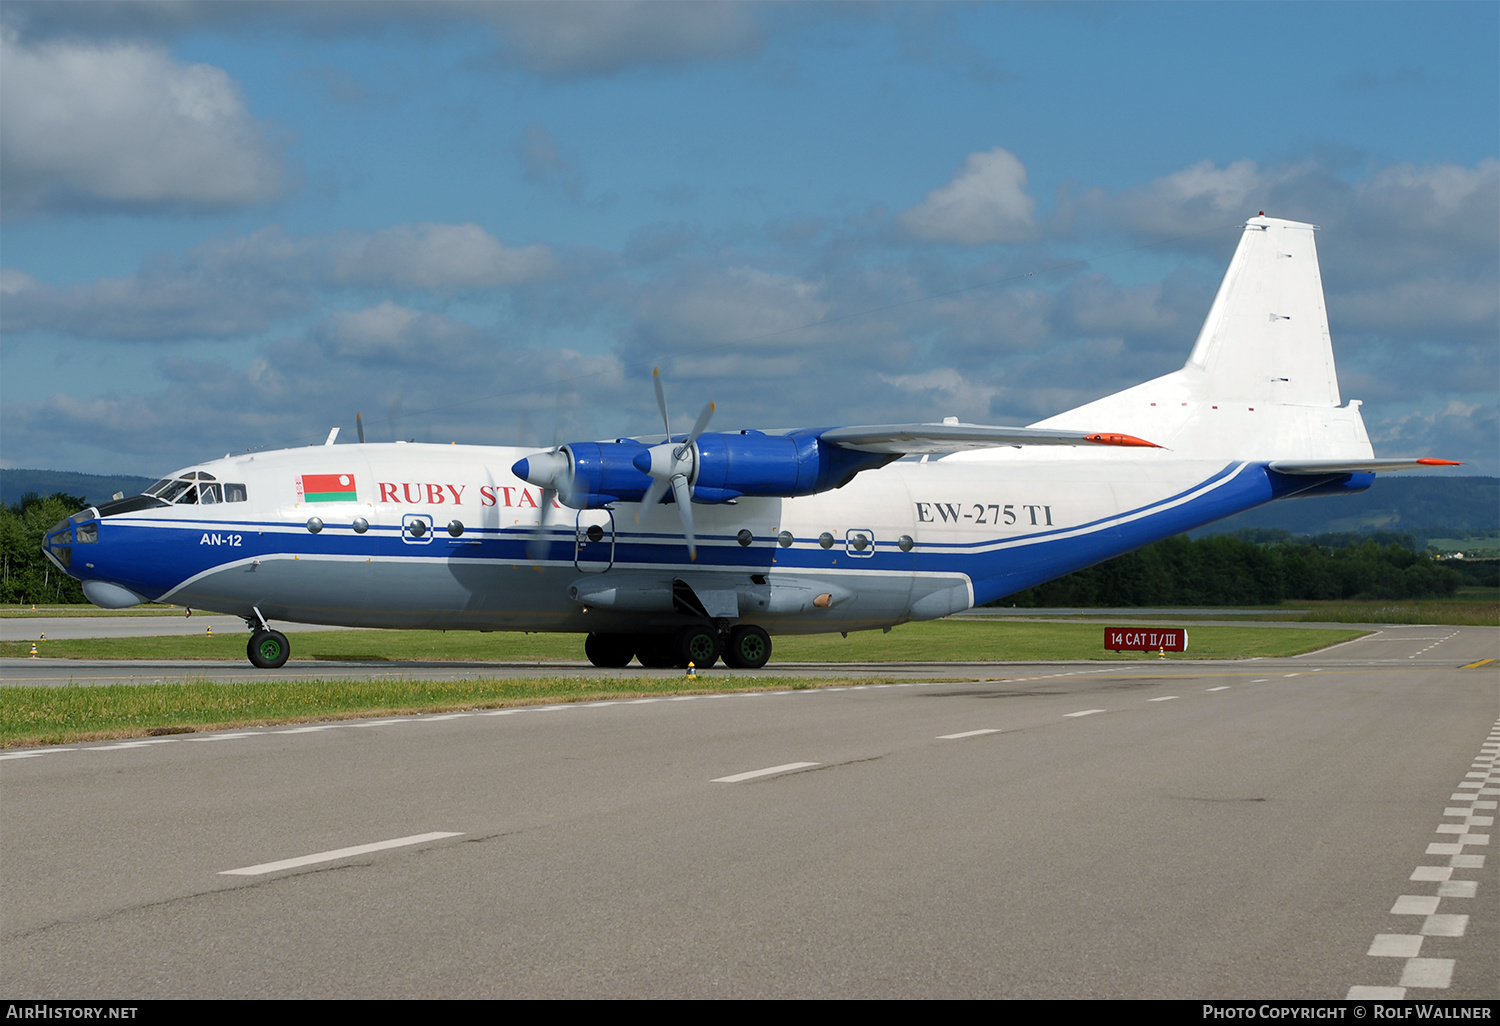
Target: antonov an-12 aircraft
(706,544)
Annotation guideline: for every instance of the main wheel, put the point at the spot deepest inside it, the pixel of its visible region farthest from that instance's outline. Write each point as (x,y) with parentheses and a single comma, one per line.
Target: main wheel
(268,649)
(698,644)
(655,651)
(749,647)
(609,651)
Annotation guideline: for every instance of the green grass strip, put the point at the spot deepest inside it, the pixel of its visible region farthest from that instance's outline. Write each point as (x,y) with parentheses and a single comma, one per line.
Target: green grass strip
(46,716)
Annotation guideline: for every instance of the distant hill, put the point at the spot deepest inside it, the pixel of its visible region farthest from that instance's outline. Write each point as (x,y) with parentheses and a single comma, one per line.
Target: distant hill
(1414,505)
(96,488)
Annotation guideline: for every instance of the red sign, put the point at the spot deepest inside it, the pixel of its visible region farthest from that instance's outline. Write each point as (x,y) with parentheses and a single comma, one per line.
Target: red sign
(1146,639)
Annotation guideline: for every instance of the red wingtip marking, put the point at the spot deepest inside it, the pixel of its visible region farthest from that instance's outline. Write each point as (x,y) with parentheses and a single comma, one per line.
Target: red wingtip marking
(1429,461)
(1111,438)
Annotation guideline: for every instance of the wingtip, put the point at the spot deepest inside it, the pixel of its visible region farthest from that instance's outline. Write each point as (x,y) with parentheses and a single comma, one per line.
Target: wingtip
(1428,461)
(1116,438)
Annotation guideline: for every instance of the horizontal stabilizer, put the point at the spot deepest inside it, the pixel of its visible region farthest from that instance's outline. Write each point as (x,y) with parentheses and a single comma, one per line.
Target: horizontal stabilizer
(1374,466)
(911,439)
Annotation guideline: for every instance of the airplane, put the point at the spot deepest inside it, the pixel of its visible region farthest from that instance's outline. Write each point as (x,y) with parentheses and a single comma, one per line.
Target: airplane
(705,545)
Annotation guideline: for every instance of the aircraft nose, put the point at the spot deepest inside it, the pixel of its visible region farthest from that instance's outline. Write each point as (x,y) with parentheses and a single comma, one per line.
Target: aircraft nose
(57,544)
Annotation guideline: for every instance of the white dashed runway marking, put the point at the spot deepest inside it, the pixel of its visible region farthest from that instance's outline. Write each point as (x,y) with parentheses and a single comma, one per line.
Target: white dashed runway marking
(768,771)
(337,853)
(968,733)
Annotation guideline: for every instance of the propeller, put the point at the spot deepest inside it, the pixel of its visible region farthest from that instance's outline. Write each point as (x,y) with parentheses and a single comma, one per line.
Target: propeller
(672,465)
(359,426)
(552,470)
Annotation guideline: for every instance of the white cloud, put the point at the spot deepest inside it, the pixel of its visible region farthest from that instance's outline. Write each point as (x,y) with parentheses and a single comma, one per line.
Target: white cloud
(1423,307)
(739,304)
(240,285)
(945,388)
(389,333)
(124,126)
(433,257)
(986,202)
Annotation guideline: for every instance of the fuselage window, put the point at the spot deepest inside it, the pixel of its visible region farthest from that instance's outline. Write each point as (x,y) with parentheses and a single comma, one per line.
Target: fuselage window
(234,493)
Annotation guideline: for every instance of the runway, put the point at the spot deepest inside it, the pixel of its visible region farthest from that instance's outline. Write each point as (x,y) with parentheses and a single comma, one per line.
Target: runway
(1290,828)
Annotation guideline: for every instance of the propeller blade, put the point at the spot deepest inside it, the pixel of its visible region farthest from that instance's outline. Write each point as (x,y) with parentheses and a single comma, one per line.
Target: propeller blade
(684,496)
(661,401)
(553,471)
(659,486)
(359,426)
(536,546)
(700,424)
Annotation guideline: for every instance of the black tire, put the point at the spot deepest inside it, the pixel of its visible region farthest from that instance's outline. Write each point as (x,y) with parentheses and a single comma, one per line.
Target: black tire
(749,647)
(698,644)
(655,651)
(609,651)
(268,649)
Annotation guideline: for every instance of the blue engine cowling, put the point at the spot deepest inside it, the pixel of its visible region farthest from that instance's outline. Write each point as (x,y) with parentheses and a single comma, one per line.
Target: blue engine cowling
(728,467)
(752,463)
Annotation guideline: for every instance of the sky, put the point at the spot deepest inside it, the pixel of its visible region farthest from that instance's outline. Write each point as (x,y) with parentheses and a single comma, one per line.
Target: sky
(230,226)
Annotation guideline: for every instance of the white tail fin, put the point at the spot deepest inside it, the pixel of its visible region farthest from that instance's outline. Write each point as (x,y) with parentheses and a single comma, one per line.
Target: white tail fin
(1260,383)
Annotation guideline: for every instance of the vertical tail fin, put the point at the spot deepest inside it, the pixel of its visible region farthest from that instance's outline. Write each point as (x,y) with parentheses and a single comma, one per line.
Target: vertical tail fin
(1266,336)
(1260,382)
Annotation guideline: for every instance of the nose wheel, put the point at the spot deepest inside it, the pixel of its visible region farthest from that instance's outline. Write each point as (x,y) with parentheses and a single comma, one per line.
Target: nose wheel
(268,649)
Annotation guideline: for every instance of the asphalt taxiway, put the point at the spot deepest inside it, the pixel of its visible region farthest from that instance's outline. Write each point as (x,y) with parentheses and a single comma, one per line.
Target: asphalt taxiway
(1316,827)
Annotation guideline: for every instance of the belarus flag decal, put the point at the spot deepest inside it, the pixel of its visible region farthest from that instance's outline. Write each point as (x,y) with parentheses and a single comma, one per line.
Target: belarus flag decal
(327,488)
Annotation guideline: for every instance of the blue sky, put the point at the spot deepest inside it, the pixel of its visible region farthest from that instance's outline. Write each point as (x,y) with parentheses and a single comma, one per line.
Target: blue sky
(233,225)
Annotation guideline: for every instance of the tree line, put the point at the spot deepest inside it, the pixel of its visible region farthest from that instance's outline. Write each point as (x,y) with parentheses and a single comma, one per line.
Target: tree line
(26,576)
(1224,570)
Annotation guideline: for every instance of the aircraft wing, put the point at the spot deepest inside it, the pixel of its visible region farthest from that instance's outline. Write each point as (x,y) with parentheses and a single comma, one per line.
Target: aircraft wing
(904,439)
(1374,466)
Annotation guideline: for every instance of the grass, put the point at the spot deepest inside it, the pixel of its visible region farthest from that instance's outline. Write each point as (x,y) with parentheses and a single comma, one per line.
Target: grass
(1476,607)
(45,716)
(935,641)
(86,609)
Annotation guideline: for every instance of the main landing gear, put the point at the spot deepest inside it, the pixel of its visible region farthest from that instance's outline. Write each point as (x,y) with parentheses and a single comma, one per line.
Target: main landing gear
(268,649)
(745,647)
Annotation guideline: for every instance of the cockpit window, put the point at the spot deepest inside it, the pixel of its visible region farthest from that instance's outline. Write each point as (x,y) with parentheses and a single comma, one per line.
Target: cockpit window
(187,489)
(179,491)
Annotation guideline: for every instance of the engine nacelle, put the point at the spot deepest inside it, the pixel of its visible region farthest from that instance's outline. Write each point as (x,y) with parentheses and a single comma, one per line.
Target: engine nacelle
(725,467)
(752,463)
(603,472)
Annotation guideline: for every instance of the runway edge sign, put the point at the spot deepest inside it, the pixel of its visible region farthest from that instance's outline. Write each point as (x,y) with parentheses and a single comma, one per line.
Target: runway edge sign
(1156,639)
